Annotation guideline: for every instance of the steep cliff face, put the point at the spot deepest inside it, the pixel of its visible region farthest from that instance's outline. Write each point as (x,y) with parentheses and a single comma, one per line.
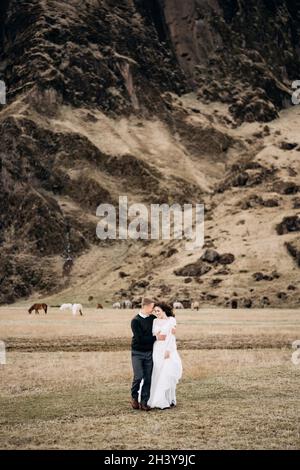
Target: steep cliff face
(145,98)
(244,53)
(89,52)
(104,55)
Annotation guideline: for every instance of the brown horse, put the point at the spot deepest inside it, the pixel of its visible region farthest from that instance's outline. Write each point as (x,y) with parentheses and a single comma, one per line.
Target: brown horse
(37,307)
(99,306)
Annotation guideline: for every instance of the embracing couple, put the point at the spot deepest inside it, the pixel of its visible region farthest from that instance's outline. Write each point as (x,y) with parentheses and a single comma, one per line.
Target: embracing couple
(156,363)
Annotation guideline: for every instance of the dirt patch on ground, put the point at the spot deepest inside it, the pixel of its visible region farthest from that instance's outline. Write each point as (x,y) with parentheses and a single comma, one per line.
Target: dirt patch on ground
(90,343)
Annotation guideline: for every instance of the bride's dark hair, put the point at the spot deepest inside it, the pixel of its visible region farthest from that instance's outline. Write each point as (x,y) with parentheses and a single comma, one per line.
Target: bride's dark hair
(166,308)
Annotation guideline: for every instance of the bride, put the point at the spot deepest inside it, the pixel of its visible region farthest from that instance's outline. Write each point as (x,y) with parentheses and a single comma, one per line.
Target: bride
(167,366)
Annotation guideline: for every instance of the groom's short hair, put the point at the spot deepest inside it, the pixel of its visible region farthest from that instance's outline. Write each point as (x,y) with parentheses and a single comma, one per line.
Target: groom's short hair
(147,301)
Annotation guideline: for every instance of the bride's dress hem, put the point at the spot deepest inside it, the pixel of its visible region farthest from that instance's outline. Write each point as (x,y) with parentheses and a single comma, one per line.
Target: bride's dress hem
(166,371)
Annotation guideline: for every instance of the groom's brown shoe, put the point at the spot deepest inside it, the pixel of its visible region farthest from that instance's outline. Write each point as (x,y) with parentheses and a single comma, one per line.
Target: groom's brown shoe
(135,404)
(144,407)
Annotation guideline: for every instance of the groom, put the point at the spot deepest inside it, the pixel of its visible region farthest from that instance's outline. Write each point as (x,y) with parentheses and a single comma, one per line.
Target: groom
(141,354)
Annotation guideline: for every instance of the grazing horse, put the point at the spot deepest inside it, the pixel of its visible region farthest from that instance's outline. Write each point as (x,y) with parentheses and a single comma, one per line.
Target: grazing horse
(99,306)
(116,305)
(126,304)
(195,305)
(177,305)
(66,307)
(37,307)
(75,308)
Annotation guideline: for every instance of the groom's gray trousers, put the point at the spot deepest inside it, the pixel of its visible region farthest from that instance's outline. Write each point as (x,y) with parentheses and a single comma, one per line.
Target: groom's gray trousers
(142,364)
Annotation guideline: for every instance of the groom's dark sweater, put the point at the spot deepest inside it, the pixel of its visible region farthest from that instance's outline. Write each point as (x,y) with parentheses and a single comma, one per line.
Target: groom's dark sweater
(143,338)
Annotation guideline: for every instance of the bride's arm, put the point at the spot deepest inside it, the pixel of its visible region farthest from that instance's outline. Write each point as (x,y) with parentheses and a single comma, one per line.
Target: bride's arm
(173,326)
(170,338)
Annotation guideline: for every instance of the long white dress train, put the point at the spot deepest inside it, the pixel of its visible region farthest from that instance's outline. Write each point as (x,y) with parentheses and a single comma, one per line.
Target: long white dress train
(166,372)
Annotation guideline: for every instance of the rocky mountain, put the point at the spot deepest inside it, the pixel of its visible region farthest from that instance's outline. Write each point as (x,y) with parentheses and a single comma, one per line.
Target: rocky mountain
(162,101)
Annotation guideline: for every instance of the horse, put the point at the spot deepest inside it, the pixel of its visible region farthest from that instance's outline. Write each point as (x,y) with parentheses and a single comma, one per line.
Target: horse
(99,306)
(75,308)
(177,305)
(37,307)
(116,305)
(66,307)
(127,304)
(195,305)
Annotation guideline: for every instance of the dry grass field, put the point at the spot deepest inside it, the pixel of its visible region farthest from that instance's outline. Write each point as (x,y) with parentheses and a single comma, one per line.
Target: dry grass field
(67,380)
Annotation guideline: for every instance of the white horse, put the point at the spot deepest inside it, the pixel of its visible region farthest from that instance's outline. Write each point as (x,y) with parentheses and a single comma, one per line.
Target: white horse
(116,305)
(75,308)
(177,305)
(127,304)
(66,307)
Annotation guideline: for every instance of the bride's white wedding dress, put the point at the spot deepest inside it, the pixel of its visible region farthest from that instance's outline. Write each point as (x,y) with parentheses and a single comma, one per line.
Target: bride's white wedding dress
(166,372)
